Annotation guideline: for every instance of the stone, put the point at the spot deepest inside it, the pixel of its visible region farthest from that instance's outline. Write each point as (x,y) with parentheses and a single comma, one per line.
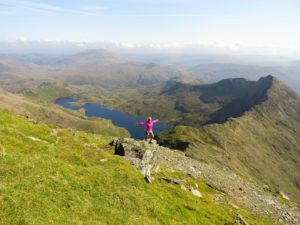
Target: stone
(140,154)
(53,133)
(171,180)
(270,202)
(196,192)
(240,220)
(233,205)
(103,160)
(192,169)
(182,187)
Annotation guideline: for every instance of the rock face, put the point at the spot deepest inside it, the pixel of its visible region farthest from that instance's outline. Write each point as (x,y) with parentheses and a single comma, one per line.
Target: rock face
(140,154)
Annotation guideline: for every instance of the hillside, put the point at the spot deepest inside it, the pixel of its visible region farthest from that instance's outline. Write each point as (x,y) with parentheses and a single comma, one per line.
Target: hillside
(51,114)
(262,142)
(54,176)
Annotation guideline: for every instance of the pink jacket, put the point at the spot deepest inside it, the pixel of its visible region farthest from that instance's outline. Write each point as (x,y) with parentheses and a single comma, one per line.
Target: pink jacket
(149,124)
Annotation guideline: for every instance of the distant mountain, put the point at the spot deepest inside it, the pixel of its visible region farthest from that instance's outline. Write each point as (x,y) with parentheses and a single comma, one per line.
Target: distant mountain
(257,134)
(289,73)
(92,67)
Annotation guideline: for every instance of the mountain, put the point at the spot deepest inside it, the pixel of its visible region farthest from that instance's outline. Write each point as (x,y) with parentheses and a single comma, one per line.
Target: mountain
(93,67)
(189,101)
(257,135)
(214,72)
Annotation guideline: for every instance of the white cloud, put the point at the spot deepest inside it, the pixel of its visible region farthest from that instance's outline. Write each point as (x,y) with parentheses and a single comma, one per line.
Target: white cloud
(214,46)
(22,39)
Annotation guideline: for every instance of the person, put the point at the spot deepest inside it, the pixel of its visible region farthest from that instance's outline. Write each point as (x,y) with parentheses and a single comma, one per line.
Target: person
(149,125)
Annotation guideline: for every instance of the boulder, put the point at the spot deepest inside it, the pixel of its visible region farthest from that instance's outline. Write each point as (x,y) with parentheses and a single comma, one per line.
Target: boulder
(141,154)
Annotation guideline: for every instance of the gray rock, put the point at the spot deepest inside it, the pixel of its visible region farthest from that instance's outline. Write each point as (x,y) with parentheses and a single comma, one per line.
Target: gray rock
(171,180)
(142,155)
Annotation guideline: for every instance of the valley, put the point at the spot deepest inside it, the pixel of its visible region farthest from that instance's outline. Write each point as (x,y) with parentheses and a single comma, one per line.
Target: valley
(248,129)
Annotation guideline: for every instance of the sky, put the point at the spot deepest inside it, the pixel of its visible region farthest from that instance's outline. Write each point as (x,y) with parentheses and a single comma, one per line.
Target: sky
(236,25)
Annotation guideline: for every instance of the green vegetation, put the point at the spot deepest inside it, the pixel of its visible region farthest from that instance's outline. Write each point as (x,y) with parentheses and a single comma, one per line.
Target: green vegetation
(62,177)
(283,200)
(264,132)
(47,92)
(51,114)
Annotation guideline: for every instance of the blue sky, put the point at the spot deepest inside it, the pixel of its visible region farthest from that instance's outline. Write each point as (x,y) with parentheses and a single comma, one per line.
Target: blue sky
(249,23)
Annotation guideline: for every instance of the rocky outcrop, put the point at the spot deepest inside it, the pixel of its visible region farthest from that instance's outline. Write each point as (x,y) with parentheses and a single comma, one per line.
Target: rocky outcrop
(141,154)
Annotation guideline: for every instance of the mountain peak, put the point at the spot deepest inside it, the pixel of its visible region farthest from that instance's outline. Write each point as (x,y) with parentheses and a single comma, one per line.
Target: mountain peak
(277,97)
(277,89)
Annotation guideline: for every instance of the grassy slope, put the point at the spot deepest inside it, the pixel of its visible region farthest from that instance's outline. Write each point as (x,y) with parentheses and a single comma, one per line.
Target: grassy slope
(263,143)
(52,114)
(48,92)
(61,179)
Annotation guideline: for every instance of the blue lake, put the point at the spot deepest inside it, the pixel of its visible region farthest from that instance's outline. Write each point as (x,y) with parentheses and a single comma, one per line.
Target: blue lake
(117,117)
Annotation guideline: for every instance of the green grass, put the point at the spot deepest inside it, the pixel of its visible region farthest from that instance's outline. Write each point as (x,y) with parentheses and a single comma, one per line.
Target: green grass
(47,92)
(61,180)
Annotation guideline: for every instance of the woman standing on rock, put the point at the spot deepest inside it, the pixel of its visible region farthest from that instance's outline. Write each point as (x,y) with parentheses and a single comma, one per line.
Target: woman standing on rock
(149,125)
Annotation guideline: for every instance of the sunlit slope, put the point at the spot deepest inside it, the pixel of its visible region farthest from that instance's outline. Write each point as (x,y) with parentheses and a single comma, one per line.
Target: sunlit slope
(54,176)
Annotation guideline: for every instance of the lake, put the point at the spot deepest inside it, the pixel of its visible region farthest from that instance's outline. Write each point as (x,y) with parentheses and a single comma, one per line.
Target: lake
(117,117)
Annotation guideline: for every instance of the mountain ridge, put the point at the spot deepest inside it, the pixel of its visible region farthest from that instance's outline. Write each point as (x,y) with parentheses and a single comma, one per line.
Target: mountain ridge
(263,142)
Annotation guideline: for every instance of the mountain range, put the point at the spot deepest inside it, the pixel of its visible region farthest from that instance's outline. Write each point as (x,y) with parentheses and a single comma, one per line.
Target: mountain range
(248,129)
(92,67)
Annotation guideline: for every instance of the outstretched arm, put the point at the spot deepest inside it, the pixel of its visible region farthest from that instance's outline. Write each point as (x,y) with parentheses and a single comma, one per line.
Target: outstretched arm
(140,123)
(155,121)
